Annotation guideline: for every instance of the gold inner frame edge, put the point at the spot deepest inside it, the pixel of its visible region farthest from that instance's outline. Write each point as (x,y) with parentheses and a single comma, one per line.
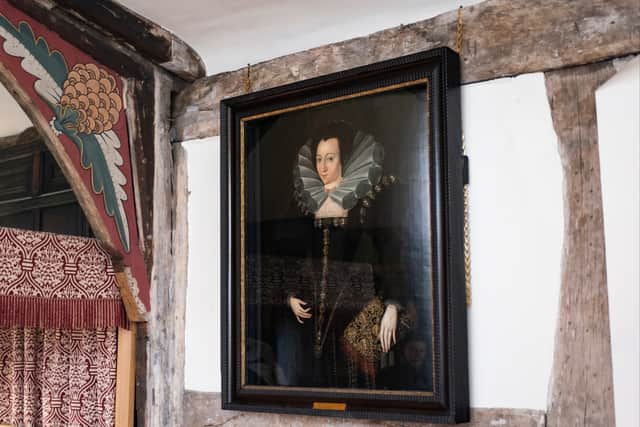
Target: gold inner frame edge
(243,121)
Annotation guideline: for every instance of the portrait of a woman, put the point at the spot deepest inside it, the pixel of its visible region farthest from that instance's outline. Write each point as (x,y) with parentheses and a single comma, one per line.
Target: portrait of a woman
(337,256)
(355,300)
(342,232)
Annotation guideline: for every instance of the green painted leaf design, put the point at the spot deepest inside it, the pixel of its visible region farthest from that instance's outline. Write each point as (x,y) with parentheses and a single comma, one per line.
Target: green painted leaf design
(52,61)
(103,181)
(98,152)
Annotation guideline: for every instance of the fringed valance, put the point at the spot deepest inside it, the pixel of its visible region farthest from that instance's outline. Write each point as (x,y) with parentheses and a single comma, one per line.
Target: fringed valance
(57,282)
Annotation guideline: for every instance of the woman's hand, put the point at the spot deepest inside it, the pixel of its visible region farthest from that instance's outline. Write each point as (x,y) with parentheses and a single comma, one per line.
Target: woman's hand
(388,325)
(299,311)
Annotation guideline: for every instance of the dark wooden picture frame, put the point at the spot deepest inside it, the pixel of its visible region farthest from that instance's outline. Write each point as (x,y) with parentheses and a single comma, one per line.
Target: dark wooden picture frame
(252,182)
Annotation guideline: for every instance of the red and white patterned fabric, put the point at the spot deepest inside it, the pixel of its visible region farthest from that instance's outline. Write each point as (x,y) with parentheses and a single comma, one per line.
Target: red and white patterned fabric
(54,281)
(60,308)
(57,378)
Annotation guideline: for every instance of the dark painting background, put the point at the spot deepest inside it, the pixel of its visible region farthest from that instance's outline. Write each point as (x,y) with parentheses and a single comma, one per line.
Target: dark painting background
(275,227)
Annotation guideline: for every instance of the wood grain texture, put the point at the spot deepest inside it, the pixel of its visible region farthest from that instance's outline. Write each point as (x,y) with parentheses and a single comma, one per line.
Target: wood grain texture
(124,61)
(152,41)
(581,389)
(142,341)
(125,376)
(128,298)
(116,36)
(203,409)
(148,38)
(140,102)
(185,62)
(501,38)
(165,346)
(58,198)
(180,249)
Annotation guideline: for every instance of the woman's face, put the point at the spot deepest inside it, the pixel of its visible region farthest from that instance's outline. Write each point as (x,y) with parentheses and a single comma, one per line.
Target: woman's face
(328,161)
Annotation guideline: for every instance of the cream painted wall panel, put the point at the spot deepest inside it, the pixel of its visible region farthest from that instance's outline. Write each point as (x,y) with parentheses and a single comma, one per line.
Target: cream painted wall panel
(12,119)
(516,237)
(202,329)
(618,108)
(516,220)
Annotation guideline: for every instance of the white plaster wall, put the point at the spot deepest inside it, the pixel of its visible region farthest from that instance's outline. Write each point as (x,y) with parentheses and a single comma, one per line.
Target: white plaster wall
(516,238)
(516,229)
(618,109)
(229,34)
(12,119)
(202,327)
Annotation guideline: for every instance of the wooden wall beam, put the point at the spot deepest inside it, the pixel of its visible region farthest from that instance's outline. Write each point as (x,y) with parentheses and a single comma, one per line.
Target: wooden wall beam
(148,38)
(139,99)
(110,33)
(501,38)
(142,344)
(125,62)
(203,409)
(180,249)
(581,389)
(125,376)
(165,329)
(140,34)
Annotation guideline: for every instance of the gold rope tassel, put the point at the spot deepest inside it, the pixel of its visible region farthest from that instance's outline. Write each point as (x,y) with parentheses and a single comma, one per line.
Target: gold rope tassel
(467,239)
(467,246)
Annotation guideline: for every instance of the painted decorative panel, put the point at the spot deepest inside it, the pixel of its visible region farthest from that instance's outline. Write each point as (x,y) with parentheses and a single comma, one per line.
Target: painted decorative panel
(84,101)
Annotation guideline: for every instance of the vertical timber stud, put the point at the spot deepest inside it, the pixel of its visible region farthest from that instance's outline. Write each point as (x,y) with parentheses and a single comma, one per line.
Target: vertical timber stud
(581,388)
(165,359)
(180,248)
(125,376)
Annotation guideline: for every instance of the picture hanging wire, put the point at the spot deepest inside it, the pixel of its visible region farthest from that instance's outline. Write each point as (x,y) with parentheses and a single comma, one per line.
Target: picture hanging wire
(466,237)
(467,240)
(459,32)
(247,80)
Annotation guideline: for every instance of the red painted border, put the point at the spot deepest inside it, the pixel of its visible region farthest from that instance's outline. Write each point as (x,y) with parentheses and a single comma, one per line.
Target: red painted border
(73,56)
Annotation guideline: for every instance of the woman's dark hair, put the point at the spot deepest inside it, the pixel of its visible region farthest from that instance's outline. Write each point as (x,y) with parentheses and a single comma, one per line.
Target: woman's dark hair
(339,129)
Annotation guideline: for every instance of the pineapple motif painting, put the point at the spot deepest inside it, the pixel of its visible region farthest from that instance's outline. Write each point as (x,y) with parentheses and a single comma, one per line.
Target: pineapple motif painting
(85,104)
(91,93)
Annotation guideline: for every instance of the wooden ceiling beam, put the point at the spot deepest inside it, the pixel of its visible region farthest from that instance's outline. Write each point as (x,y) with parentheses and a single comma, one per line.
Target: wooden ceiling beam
(501,38)
(146,37)
(151,40)
(113,34)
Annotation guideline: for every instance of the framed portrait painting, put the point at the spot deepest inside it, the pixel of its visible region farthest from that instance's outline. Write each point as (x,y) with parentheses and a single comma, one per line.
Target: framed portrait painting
(342,217)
